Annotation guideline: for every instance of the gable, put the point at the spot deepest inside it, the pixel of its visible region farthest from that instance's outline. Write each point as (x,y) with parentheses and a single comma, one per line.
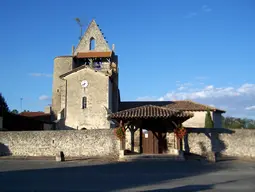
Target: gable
(92,33)
(82,70)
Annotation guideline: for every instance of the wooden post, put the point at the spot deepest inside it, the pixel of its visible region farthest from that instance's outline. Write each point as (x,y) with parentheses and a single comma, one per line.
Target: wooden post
(132,138)
(123,143)
(178,143)
(141,140)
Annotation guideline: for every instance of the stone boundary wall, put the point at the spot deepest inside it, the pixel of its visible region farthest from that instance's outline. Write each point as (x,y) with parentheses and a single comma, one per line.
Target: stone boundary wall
(240,143)
(74,143)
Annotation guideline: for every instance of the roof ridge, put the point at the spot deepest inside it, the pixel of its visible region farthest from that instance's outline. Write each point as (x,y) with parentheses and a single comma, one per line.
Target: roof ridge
(152,111)
(208,106)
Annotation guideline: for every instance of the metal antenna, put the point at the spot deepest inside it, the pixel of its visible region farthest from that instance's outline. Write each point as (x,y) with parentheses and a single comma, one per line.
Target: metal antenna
(80,25)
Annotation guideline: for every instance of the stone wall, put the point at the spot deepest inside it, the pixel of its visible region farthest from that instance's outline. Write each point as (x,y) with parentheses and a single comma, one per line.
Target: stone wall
(198,120)
(83,143)
(241,143)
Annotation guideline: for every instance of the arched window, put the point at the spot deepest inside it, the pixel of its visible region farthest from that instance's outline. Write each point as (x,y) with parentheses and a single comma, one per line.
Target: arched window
(92,44)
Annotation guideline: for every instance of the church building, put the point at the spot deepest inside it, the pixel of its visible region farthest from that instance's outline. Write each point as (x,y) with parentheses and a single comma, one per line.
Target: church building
(85,84)
(85,88)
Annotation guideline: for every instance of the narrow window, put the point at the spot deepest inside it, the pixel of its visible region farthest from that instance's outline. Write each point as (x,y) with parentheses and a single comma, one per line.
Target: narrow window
(84,102)
(92,44)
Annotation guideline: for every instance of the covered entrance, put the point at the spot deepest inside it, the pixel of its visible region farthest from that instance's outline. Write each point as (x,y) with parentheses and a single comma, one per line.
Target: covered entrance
(154,143)
(153,123)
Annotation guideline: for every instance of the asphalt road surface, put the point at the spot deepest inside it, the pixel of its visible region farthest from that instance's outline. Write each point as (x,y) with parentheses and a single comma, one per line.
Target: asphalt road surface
(147,175)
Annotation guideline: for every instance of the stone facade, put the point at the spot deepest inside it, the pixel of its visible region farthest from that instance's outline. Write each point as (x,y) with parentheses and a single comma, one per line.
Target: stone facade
(97,95)
(94,32)
(61,65)
(83,143)
(198,120)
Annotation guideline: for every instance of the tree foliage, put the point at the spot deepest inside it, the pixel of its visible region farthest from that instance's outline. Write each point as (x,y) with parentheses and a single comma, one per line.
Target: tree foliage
(238,123)
(208,120)
(15,111)
(3,105)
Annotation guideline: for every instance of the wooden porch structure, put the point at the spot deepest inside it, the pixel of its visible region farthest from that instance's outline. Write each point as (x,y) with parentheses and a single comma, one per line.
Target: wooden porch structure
(157,121)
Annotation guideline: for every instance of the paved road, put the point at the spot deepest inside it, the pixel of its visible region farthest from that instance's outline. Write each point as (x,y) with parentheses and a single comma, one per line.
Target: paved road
(156,175)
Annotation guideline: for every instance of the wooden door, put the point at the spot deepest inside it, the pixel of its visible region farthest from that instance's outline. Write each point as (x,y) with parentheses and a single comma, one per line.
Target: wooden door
(154,142)
(149,143)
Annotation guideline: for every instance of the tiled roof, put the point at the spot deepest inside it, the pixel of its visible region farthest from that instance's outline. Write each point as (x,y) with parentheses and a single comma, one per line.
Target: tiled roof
(94,54)
(185,105)
(132,104)
(188,105)
(34,114)
(150,111)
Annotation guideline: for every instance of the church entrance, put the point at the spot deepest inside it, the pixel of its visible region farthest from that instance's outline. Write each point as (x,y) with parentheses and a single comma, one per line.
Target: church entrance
(153,142)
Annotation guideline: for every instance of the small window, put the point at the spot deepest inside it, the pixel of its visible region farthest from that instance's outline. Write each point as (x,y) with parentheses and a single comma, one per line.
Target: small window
(92,44)
(84,102)
(97,64)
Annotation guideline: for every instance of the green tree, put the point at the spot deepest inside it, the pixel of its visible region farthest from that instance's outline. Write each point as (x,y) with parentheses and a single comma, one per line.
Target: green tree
(3,105)
(15,111)
(208,120)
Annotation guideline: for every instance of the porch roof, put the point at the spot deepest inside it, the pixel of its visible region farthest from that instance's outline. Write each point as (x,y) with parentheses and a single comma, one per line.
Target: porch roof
(150,112)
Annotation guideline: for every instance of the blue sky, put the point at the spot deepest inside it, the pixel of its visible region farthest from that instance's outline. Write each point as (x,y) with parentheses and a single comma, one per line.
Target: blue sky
(168,50)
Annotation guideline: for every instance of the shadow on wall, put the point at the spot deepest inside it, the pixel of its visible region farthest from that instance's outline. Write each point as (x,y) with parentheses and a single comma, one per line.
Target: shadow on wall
(4,150)
(213,134)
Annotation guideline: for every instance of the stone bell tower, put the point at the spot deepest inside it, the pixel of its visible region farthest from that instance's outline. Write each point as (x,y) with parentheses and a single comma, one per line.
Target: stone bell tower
(92,63)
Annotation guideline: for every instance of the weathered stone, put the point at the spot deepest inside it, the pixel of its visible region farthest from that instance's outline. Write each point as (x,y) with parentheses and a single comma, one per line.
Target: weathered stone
(74,143)
(239,144)
(211,157)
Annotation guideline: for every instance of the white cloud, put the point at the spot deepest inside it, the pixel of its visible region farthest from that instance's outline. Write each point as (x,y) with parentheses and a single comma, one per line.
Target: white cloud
(40,75)
(250,108)
(232,99)
(183,86)
(205,8)
(44,98)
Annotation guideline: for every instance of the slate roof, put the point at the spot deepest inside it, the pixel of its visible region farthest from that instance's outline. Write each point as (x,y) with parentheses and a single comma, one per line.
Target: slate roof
(150,111)
(184,105)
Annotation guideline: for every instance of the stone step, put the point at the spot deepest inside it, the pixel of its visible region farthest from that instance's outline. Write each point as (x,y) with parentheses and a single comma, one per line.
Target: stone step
(153,157)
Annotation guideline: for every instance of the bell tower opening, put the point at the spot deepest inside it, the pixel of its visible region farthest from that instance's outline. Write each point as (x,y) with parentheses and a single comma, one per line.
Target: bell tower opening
(92,44)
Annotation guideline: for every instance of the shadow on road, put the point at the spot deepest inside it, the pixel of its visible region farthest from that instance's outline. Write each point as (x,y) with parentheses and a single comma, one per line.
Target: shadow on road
(193,188)
(104,177)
